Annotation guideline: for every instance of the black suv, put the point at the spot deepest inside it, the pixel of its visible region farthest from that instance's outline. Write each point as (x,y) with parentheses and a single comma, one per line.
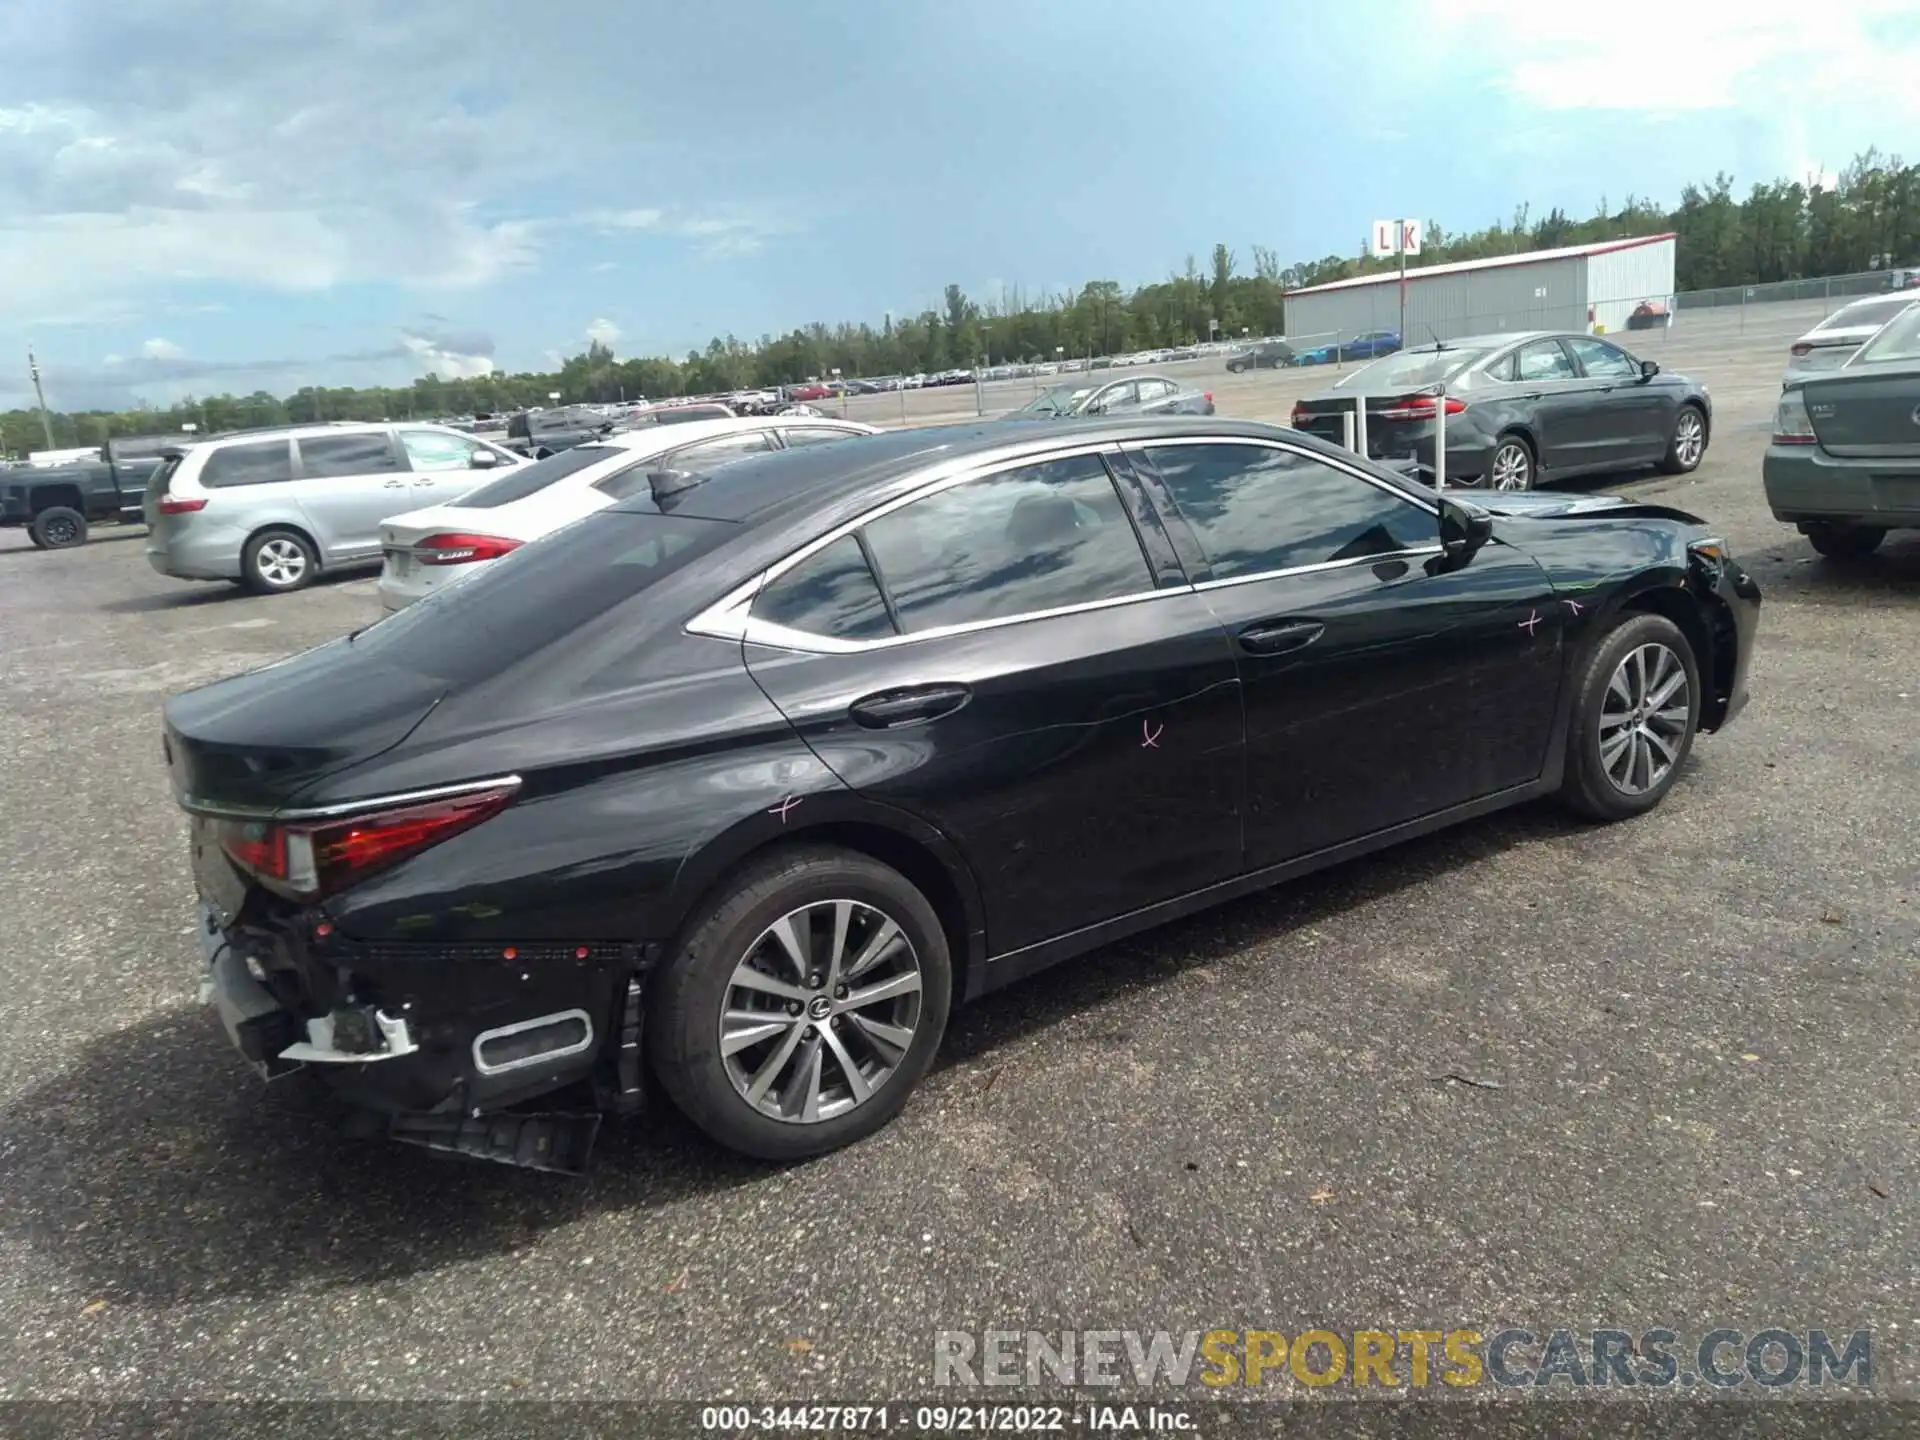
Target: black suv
(55,506)
(540,433)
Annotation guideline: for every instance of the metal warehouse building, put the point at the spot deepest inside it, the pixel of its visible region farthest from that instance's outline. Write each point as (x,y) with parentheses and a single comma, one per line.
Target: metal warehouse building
(1580,287)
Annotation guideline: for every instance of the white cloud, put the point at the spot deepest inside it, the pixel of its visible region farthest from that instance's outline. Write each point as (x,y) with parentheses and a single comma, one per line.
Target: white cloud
(603,332)
(162,350)
(1776,57)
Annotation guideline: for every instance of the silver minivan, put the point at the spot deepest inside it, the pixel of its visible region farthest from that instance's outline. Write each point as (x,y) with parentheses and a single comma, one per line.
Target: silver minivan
(271,509)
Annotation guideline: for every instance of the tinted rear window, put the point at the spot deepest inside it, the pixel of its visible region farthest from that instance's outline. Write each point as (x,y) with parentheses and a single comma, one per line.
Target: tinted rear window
(537,594)
(261,463)
(363,454)
(1413,368)
(1867,312)
(526,480)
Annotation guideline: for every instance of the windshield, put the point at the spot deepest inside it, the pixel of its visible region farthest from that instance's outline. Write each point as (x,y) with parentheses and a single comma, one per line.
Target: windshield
(1863,313)
(1411,369)
(527,480)
(1060,400)
(1896,341)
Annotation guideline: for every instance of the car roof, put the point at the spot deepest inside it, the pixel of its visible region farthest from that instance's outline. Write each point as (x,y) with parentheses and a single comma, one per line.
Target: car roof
(298,432)
(766,488)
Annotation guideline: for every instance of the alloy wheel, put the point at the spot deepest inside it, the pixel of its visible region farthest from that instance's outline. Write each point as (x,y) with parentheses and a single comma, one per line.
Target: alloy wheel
(1689,438)
(281,562)
(60,531)
(1643,719)
(820,1011)
(1512,467)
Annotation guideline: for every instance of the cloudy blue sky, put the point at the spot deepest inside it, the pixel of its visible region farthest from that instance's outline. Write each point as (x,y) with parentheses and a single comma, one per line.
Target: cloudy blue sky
(208,195)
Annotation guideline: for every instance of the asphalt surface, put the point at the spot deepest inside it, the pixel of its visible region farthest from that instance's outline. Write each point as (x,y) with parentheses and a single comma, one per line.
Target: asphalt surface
(1686,1095)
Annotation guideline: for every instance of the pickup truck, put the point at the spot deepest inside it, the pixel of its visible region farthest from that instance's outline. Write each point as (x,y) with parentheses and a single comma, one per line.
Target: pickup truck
(58,505)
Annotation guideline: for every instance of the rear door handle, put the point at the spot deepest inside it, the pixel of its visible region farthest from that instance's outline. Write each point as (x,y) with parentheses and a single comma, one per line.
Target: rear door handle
(892,708)
(1276,637)
(395,485)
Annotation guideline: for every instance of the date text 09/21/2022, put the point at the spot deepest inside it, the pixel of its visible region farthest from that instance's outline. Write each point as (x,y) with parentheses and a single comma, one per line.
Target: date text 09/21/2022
(947,1419)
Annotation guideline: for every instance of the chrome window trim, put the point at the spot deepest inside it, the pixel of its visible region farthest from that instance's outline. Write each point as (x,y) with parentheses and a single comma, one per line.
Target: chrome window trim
(216,811)
(730,618)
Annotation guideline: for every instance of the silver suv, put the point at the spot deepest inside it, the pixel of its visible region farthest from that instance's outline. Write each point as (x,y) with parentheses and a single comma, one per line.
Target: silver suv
(271,509)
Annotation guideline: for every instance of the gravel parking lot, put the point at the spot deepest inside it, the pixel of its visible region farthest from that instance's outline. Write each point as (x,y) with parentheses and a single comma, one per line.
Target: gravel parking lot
(1687,1046)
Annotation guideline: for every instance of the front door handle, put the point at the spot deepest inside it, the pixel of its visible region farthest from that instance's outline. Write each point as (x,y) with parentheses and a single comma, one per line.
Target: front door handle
(395,485)
(892,708)
(1277,637)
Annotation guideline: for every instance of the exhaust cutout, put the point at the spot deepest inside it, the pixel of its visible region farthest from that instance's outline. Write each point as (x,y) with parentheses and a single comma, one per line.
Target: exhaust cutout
(532,1042)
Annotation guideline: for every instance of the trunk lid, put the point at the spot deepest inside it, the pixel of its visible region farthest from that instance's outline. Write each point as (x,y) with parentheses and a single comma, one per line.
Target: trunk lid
(1548,505)
(257,740)
(1860,414)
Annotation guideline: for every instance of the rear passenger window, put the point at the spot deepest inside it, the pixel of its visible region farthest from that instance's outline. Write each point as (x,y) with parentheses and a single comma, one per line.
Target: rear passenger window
(368,453)
(830,593)
(1544,360)
(263,463)
(1036,538)
(815,436)
(1255,509)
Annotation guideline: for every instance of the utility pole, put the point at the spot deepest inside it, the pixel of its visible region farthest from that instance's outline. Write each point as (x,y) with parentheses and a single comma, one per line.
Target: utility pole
(46,420)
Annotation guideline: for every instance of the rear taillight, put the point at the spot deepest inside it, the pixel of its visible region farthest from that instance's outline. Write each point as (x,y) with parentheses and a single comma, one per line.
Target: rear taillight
(173,505)
(1791,423)
(1802,348)
(1299,415)
(1419,407)
(461,549)
(308,859)
(1208,397)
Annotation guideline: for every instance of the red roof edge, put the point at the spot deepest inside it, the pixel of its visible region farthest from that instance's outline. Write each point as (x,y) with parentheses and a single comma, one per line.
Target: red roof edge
(1635,243)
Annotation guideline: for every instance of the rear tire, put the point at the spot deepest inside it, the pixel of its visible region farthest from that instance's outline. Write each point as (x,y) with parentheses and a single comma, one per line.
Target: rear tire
(1635,711)
(277,562)
(1688,443)
(807,1034)
(1845,542)
(58,527)
(1511,466)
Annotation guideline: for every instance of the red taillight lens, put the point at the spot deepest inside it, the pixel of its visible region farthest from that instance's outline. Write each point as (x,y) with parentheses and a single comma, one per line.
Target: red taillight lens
(169,505)
(1419,407)
(1209,397)
(1802,349)
(310,859)
(461,549)
(1299,414)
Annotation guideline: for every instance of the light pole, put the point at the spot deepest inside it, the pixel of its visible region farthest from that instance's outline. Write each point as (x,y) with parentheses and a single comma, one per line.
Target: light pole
(46,420)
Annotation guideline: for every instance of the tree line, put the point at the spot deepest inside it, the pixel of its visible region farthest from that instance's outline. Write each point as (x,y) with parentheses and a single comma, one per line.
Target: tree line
(1869,216)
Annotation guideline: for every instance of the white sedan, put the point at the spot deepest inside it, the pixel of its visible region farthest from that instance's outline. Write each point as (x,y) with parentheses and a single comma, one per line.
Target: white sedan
(426,550)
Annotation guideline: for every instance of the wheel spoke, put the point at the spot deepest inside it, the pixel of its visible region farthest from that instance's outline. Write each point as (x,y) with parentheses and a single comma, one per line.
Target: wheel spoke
(897,1038)
(836,957)
(1611,751)
(794,939)
(1617,686)
(751,979)
(904,984)
(857,1085)
(878,946)
(1668,752)
(802,1094)
(774,1064)
(1642,762)
(747,1028)
(1676,716)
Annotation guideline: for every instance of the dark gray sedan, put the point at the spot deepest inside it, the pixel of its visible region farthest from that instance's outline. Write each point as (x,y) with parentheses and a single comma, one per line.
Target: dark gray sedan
(1135,395)
(1522,409)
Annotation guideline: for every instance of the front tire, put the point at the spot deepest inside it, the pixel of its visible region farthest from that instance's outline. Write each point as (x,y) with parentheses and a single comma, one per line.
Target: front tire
(58,527)
(1845,542)
(1635,713)
(802,1006)
(277,562)
(1687,444)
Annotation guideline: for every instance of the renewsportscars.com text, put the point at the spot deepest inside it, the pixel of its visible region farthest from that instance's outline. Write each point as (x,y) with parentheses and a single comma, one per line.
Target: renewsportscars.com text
(1404,1359)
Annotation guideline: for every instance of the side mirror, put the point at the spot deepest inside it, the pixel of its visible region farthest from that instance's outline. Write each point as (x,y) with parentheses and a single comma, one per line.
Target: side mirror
(1464,529)
(1649,369)
(482,460)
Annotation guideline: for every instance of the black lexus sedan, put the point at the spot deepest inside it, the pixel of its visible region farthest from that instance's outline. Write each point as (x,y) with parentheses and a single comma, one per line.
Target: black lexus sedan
(750,778)
(1522,409)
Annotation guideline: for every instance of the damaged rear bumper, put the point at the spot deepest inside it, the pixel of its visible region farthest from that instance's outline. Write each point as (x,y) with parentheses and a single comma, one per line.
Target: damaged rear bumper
(445,1052)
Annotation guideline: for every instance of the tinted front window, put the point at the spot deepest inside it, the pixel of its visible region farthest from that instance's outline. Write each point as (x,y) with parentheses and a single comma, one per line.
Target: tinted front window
(363,454)
(1030,539)
(1602,361)
(831,593)
(526,480)
(263,463)
(436,450)
(1544,360)
(1255,509)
